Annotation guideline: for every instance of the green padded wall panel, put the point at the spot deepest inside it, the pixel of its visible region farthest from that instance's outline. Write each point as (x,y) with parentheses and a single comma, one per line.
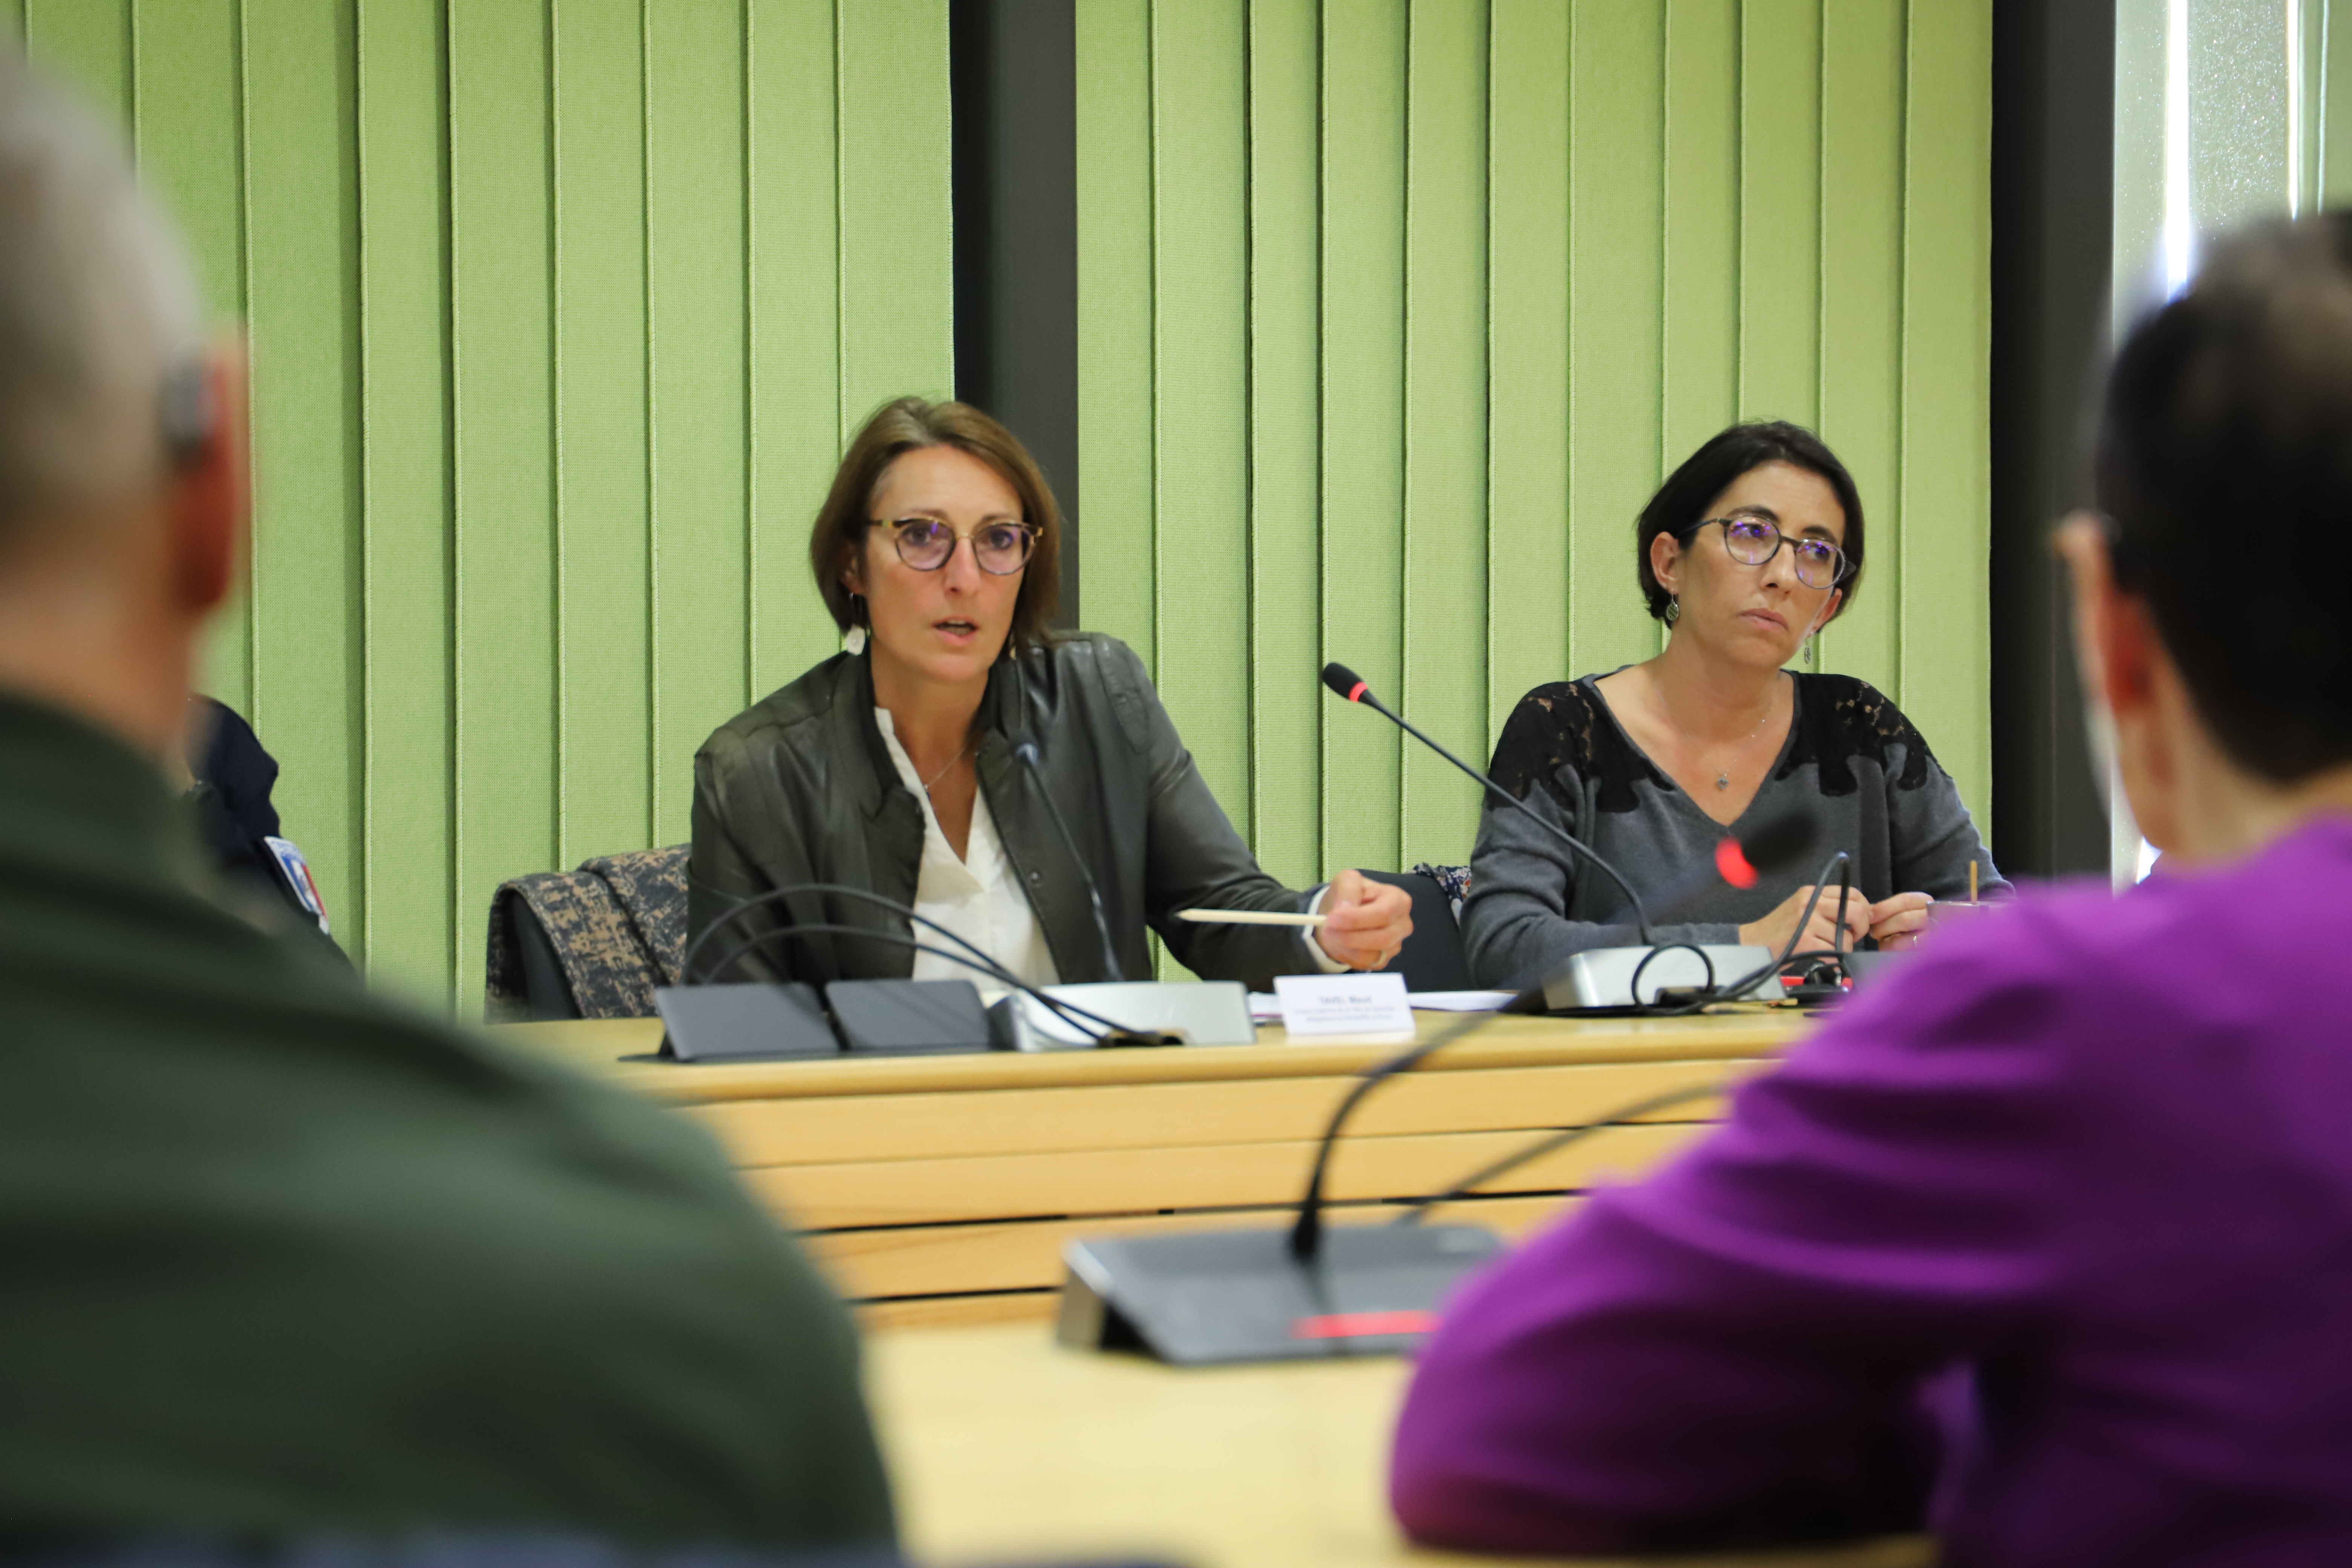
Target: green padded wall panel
(1392,313)
(560,311)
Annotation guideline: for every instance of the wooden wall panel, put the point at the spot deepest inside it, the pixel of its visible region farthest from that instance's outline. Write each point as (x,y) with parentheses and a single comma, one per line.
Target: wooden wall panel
(406,458)
(1286,411)
(1861,392)
(1444,546)
(1527,338)
(794,315)
(1116,426)
(188,127)
(1700,213)
(1616,264)
(603,520)
(1200,360)
(309,682)
(1945,501)
(695,330)
(1365,66)
(502,306)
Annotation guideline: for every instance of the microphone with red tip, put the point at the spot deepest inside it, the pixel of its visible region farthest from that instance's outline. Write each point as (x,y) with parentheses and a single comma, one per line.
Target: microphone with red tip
(1767,846)
(1772,844)
(1345,683)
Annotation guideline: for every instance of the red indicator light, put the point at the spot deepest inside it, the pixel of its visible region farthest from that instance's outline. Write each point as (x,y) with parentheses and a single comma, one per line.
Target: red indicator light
(1732,861)
(1362,1325)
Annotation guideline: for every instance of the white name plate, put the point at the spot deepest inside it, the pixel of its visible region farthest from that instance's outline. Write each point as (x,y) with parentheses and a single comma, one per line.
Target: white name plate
(1344,1004)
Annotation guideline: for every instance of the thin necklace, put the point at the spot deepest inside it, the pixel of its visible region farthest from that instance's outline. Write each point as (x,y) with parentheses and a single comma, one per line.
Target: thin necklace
(951,767)
(1723,775)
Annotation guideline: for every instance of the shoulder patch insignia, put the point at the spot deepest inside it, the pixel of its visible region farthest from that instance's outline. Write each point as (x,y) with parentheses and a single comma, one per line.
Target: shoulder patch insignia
(297,873)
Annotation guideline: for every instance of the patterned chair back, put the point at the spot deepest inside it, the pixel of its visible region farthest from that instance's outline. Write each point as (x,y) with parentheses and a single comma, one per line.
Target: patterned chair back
(617,926)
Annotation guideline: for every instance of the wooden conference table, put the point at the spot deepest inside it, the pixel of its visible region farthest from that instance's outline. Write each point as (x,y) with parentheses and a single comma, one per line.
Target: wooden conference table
(1003,1448)
(942,1190)
(939,1191)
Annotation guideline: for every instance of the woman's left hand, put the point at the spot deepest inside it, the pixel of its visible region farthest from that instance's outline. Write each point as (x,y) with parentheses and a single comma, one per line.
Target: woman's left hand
(1901,921)
(1368,920)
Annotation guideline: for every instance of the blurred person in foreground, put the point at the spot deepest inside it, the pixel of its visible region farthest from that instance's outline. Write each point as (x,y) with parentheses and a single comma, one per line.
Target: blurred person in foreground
(281,1261)
(2047,1242)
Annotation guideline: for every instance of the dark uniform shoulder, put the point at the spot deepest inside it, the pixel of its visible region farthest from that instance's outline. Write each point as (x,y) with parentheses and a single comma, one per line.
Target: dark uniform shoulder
(1840,718)
(1567,725)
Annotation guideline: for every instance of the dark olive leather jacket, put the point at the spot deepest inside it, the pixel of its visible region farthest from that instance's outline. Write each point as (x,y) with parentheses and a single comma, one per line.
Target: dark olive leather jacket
(800,788)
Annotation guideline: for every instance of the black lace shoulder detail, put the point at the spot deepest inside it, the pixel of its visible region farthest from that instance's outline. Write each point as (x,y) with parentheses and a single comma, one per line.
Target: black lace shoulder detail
(1565,725)
(1840,718)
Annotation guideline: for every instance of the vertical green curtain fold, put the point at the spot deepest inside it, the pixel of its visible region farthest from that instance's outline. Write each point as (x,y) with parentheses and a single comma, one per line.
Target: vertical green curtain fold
(1450,285)
(559,309)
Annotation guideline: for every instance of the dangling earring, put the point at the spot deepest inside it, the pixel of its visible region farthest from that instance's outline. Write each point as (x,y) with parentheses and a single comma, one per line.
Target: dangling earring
(1674,609)
(853,641)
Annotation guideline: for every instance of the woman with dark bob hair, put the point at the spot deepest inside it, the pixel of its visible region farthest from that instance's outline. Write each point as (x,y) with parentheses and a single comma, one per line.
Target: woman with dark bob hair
(895,766)
(1750,547)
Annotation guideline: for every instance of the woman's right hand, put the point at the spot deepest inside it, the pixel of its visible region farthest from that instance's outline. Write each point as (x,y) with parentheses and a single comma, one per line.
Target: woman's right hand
(1820,931)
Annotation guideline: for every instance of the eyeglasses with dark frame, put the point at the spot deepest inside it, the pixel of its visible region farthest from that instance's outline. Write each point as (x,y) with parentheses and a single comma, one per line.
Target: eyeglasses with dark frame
(1752,542)
(926,544)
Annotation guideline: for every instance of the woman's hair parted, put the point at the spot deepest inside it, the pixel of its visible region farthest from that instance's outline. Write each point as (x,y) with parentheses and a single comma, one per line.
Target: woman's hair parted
(1706,473)
(910,424)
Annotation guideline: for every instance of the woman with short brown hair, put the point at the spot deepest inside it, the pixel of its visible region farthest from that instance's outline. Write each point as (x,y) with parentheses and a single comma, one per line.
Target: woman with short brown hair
(896,766)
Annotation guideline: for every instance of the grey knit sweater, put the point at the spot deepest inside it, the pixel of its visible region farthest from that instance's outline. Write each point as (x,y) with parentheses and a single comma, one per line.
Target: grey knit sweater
(1876,791)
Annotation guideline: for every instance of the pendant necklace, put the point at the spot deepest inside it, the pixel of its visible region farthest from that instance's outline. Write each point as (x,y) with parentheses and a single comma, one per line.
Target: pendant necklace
(966,747)
(1722,775)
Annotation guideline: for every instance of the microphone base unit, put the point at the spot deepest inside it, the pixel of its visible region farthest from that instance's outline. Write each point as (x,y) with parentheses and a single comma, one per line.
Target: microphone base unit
(763,1022)
(1867,968)
(1219,1297)
(1600,979)
(1187,1013)
(909,1018)
(751,1022)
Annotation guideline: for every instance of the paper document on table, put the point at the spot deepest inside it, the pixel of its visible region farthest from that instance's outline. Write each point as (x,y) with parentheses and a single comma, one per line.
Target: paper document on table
(1266,1007)
(1460,1000)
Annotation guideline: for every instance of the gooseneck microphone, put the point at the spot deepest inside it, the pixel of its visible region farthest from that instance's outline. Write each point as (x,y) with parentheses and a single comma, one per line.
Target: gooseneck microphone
(1306,1231)
(1310,1289)
(1736,860)
(1347,684)
(1775,842)
(1028,752)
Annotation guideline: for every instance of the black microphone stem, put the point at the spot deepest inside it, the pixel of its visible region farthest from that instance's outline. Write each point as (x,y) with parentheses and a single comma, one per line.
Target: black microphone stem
(1306,1233)
(1641,917)
(1846,887)
(1028,752)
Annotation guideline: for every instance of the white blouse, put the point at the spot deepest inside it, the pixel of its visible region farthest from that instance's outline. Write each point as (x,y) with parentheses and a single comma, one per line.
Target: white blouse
(979,898)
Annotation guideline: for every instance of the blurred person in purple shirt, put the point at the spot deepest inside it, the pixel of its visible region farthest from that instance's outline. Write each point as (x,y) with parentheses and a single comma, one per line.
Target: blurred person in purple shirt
(2046,1243)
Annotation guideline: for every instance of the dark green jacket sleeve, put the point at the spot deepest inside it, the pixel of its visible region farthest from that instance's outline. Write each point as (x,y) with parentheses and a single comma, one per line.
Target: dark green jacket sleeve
(285,1262)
